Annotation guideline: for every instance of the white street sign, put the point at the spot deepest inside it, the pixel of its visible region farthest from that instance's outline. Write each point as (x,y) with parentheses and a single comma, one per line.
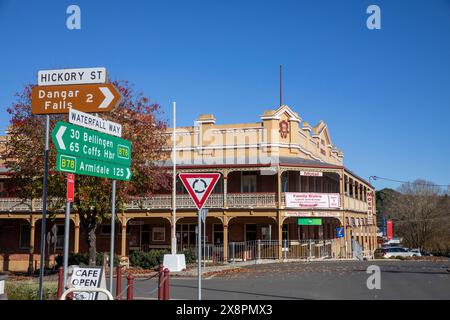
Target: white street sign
(71,76)
(90,121)
(204,213)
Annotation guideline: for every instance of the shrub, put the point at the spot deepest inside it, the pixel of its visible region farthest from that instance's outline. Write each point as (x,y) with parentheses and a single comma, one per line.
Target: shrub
(20,290)
(78,259)
(147,260)
(190,255)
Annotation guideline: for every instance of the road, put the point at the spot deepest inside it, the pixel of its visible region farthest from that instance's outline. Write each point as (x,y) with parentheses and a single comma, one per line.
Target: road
(314,280)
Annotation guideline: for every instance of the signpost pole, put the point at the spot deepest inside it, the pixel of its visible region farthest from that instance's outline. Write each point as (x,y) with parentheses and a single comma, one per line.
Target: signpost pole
(204,243)
(199,255)
(66,243)
(113,218)
(174,184)
(44,207)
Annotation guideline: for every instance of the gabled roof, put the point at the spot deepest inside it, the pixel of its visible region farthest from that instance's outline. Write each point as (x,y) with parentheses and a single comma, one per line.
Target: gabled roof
(321,128)
(276,114)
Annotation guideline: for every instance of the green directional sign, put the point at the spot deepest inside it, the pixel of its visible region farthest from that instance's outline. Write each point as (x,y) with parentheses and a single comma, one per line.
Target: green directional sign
(81,142)
(90,167)
(309,221)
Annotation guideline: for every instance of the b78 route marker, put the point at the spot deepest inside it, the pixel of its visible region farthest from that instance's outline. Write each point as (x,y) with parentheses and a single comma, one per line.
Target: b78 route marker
(81,142)
(79,165)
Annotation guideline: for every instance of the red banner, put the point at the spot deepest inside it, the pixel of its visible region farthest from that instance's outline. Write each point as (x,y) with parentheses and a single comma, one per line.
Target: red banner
(389,229)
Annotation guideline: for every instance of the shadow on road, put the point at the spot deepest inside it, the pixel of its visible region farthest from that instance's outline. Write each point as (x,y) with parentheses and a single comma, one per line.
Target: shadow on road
(242,292)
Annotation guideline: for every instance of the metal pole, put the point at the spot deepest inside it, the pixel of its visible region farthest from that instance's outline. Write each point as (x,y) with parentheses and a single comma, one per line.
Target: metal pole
(199,256)
(174,184)
(204,243)
(113,220)
(66,243)
(44,206)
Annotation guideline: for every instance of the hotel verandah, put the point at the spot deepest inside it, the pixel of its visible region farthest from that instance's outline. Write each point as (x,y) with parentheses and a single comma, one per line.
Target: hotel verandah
(253,212)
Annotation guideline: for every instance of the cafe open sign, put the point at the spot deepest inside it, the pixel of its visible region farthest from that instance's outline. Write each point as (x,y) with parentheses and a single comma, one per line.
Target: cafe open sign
(91,277)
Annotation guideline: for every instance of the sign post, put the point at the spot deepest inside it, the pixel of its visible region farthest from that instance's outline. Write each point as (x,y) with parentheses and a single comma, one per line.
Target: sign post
(199,186)
(56,92)
(204,213)
(113,220)
(44,206)
(69,199)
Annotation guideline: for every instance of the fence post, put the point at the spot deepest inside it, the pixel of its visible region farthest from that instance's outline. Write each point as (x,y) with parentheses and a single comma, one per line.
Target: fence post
(285,248)
(310,249)
(259,250)
(130,279)
(232,246)
(119,283)
(166,284)
(60,282)
(160,289)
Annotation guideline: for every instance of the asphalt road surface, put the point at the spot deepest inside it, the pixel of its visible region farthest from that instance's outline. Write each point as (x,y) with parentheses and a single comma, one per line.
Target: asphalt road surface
(313,280)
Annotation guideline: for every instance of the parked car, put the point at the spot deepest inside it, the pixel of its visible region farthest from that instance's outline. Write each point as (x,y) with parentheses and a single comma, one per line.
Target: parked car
(379,253)
(416,252)
(398,252)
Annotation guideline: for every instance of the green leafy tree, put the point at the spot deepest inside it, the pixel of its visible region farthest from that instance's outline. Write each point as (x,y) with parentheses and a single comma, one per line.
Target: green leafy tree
(141,124)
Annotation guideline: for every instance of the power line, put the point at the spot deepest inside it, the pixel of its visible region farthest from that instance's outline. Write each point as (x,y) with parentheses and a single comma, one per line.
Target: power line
(408,182)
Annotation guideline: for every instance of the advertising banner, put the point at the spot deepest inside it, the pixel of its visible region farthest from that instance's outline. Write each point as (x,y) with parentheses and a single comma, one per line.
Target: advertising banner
(305,200)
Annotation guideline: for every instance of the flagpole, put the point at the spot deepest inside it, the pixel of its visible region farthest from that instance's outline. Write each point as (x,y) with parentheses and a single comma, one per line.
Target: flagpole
(174,184)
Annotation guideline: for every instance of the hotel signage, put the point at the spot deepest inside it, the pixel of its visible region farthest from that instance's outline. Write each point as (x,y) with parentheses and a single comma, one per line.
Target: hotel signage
(370,207)
(311,173)
(309,221)
(305,200)
(323,214)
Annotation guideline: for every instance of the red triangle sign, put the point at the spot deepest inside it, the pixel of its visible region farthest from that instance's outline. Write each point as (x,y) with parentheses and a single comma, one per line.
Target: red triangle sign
(199,185)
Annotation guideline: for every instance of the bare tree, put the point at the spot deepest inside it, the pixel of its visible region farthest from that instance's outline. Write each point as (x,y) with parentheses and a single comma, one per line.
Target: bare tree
(420,211)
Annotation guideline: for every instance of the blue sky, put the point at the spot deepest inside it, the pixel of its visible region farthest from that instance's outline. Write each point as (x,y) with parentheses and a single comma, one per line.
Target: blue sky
(385,94)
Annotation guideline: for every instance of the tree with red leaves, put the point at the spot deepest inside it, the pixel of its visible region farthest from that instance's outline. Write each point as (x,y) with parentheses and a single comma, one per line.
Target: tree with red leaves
(140,125)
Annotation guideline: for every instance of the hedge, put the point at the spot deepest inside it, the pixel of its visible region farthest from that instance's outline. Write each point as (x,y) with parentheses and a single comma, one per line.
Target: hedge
(147,260)
(21,290)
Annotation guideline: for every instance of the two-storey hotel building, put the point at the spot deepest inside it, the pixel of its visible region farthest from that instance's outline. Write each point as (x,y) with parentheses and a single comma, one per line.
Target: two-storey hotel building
(283,193)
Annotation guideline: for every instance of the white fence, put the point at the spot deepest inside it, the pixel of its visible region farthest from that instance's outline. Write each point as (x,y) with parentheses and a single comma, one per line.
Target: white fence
(269,249)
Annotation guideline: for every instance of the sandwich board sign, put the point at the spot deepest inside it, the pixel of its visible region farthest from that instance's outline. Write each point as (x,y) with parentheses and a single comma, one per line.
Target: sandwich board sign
(199,186)
(89,277)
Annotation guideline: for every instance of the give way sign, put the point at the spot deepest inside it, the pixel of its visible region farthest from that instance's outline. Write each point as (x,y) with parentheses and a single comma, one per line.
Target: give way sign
(199,185)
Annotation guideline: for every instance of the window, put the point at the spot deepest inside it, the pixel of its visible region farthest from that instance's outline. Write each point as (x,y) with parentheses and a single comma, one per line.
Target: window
(218,233)
(24,236)
(105,229)
(285,232)
(248,182)
(60,236)
(351,187)
(145,234)
(266,232)
(158,234)
(186,236)
(250,232)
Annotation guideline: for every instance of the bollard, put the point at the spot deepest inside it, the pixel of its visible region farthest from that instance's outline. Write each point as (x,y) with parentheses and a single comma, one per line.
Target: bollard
(60,282)
(119,284)
(166,284)
(160,288)
(130,279)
